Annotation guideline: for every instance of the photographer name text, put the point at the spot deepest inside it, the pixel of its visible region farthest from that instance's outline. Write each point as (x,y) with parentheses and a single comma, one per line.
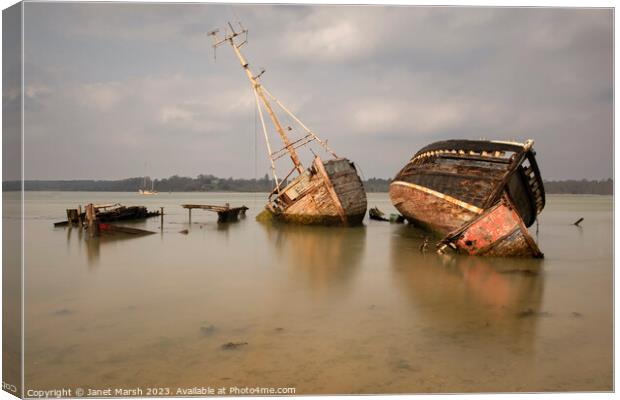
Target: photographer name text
(159,391)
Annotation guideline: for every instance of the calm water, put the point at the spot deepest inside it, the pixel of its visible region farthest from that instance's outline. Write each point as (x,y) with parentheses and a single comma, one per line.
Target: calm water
(324,310)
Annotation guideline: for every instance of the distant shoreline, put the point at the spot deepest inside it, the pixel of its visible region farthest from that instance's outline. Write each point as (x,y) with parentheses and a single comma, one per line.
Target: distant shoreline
(209,183)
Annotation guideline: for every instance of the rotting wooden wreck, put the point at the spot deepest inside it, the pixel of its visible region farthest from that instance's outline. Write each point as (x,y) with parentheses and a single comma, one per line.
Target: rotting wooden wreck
(118,212)
(327,192)
(480,195)
(108,213)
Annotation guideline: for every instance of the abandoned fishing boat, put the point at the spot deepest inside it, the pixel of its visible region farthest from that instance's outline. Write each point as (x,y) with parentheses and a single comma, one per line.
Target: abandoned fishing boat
(326,192)
(480,195)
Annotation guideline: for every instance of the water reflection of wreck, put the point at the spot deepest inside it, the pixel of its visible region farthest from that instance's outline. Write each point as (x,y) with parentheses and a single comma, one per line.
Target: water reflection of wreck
(503,297)
(328,257)
(93,244)
(325,193)
(480,195)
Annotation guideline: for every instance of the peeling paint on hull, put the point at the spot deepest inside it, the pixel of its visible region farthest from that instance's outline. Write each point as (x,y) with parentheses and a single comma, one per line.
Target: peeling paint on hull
(447,185)
(498,232)
(429,211)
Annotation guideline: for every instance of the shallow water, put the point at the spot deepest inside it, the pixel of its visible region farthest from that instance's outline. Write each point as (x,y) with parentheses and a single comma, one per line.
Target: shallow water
(323,310)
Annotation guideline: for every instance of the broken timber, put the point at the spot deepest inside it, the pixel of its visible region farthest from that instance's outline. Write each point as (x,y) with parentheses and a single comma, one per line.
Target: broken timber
(376,214)
(224,213)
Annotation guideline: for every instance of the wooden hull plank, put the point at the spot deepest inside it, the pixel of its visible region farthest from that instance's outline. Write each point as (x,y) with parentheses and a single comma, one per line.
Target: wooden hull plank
(429,211)
(320,168)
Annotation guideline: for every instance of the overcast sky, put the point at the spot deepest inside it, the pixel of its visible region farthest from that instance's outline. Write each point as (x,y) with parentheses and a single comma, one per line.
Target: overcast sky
(121,90)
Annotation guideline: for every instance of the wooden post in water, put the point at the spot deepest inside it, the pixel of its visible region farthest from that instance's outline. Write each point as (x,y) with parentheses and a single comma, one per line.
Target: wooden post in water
(161,213)
(90,219)
(80,215)
(190,216)
(72,216)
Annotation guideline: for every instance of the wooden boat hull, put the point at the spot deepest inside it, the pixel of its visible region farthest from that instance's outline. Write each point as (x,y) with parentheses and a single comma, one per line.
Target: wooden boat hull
(123,213)
(429,209)
(499,231)
(328,193)
(449,184)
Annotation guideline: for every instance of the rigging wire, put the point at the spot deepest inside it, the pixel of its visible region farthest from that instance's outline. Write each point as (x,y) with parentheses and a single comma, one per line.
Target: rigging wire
(262,121)
(232,9)
(308,130)
(255,155)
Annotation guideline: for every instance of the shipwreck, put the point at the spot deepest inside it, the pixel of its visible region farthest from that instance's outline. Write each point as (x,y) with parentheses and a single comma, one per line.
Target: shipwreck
(326,192)
(480,196)
(107,213)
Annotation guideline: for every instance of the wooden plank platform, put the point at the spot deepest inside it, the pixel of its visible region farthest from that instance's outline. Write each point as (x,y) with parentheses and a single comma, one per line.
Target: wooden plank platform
(225,213)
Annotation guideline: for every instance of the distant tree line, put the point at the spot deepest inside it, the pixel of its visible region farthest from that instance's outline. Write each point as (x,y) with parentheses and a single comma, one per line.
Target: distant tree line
(580,187)
(210,183)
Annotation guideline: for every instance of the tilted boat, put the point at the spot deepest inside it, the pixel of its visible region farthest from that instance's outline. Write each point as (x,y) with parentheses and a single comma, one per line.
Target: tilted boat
(480,195)
(327,192)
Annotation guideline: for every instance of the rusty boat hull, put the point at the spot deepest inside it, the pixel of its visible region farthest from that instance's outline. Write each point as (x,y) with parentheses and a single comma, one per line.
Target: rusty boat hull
(499,231)
(449,184)
(327,193)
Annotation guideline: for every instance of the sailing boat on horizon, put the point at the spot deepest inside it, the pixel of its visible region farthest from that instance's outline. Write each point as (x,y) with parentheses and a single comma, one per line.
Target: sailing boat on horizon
(325,193)
(144,190)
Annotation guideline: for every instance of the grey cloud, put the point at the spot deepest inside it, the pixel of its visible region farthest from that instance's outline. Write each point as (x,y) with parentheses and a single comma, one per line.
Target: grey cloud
(137,82)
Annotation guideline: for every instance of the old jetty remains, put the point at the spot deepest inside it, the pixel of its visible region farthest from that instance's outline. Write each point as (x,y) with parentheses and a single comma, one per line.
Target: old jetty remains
(224,213)
(327,192)
(479,195)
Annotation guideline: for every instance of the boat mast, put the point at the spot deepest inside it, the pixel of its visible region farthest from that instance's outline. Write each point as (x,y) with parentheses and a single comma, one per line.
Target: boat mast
(258,89)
